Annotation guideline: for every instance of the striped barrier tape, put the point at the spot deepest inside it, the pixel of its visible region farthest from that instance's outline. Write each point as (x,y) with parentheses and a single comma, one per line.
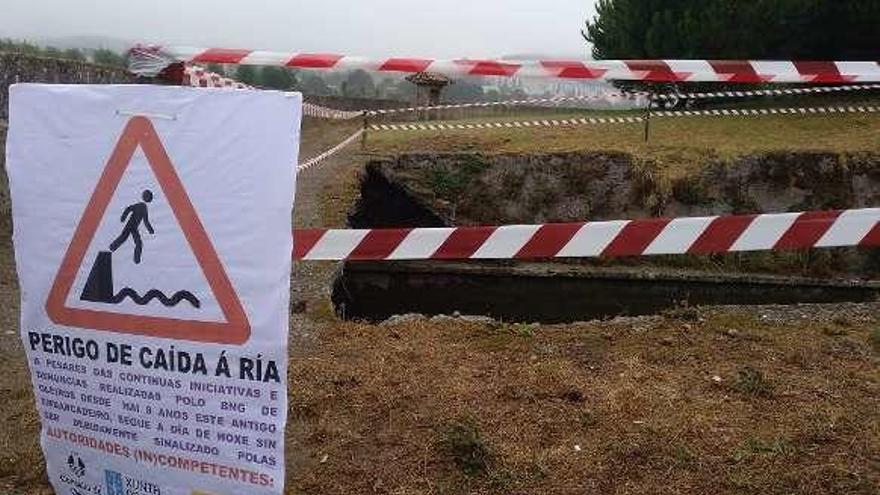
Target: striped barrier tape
(202,78)
(198,77)
(327,154)
(729,71)
(317,111)
(625,120)
(699,235)
(611,96)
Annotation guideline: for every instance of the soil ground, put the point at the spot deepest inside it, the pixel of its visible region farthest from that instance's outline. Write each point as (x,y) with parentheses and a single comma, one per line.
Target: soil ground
(712,400)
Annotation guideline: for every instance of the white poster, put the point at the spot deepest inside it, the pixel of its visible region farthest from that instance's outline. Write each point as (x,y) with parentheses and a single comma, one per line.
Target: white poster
(152,232)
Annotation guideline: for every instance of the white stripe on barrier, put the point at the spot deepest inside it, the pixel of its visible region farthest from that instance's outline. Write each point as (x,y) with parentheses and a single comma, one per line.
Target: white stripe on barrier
(853,226)
(336,244)
(506,241)
(678,235)
(591,239)
(421,244)
(764,232)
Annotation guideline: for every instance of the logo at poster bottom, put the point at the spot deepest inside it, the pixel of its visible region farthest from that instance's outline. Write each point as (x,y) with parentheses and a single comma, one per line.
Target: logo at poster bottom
(120,484)
(74,477)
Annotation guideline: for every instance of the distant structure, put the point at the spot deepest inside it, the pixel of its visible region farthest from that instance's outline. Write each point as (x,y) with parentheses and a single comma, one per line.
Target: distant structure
(429,89)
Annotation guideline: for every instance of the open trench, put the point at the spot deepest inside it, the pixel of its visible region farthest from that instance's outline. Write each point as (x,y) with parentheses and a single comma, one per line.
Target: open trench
(438,191)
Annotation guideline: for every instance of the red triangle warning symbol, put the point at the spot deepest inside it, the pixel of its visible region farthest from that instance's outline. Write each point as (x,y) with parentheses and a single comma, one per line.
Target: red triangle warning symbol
(139,132)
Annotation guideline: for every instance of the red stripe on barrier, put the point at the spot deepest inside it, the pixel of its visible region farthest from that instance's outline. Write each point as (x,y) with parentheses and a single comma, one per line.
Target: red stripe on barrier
(489,68)
(721,234)
(314,60)
(822,72)
(405,65)
(656,70)
(737,71)
(573,70)
(549,240)
(807,230)
(872,239)
(463,243)
(378,244)
(635,237)
(305,240)
(221,56)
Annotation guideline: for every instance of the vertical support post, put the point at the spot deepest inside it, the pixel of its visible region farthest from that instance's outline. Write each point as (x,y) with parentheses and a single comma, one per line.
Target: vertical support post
(365,126)
(648,114)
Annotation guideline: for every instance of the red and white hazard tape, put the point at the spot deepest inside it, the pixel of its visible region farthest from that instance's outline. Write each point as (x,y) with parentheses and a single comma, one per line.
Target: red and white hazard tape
(700,235)
(734,112)
(317,111)
(764,92)
(730,71)
(327,154)
(611,97)
(202,78)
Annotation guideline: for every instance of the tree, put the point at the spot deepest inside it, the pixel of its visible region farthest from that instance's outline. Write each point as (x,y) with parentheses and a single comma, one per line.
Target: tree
(74,54)
(108,57)
(463,92)
(278,78)
(247,74)
(216,69)
(52,52)
(359,84)
(314,85)
(735,29)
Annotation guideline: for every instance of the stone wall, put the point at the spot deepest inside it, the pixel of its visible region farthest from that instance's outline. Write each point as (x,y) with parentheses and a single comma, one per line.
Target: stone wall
(16,67)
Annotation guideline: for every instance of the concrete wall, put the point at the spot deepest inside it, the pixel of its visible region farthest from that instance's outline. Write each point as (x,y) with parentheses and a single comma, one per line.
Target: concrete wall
(16,67)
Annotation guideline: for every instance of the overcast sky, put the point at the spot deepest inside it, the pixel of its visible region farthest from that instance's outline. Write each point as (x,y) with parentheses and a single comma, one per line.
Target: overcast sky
(433,28)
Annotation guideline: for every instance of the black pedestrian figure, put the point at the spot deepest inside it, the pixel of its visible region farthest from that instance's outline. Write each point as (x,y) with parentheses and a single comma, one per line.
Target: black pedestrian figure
(136,214)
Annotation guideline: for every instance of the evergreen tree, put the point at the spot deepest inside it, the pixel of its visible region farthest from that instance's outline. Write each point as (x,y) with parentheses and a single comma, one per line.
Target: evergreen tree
(247,74)
(278,78)
(735,29)
(108,57)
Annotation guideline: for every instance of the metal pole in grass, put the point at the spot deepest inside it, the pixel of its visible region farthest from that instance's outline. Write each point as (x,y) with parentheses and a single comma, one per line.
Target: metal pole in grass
(648,113)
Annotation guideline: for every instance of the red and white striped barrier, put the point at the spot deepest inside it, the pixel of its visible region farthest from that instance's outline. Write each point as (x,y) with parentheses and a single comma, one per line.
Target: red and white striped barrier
(731,112)
(202,78)
(613,97)
(198,77)
(729,71)
(327,154)
(317,111)
(700,235)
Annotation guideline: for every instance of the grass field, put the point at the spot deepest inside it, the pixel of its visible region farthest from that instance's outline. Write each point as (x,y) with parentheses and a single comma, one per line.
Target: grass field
(668,136)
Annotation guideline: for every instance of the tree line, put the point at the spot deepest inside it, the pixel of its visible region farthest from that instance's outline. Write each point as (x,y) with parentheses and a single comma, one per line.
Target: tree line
(736,29)
(101,56)
(358,84)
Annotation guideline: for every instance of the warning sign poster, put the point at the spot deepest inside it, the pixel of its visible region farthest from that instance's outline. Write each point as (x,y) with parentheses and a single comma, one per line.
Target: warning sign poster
(152,232)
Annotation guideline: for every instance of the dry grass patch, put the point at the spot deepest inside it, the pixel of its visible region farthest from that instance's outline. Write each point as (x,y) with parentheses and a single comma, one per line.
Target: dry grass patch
(629,406)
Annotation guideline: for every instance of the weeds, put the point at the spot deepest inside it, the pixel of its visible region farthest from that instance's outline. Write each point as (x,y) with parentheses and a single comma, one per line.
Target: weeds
(682,312)
(464,444)
(755,446)
(451,183)
(874,339)
(524,329)
(751,382)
